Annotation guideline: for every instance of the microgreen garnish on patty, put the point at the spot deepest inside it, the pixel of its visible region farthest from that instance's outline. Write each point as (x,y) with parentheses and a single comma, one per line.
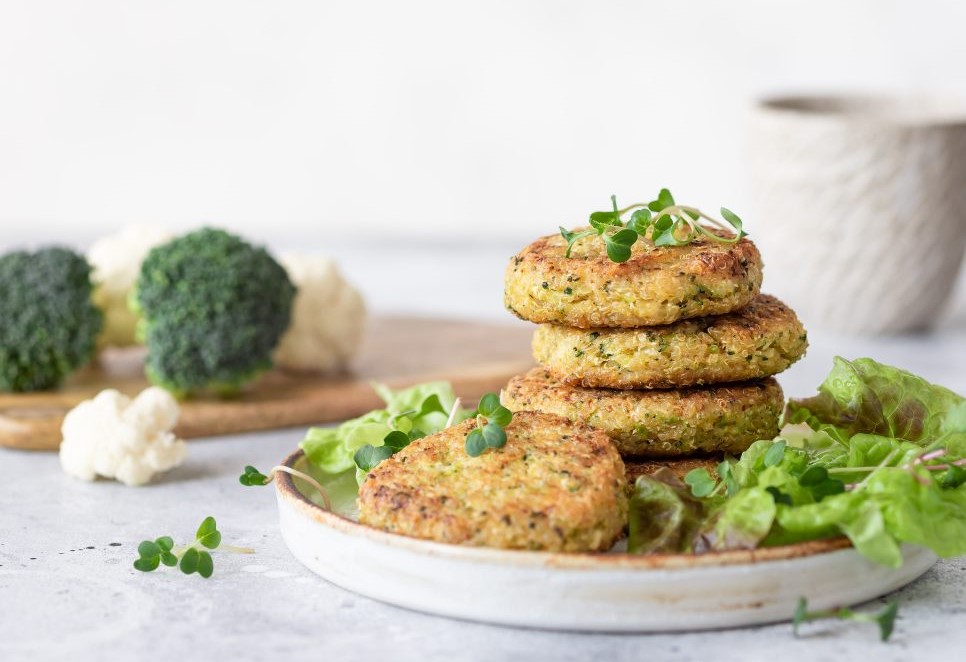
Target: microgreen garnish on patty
(491,419)
(668,223)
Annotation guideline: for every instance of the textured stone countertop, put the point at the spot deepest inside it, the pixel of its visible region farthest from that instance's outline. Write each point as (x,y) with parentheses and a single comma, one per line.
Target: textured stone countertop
(68,591)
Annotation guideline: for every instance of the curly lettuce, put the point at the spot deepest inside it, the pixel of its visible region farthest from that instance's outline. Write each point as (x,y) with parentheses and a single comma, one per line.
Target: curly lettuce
(882,461)
(423,407)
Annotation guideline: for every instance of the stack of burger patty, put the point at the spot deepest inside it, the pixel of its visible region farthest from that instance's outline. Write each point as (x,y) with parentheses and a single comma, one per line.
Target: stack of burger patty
(671,353)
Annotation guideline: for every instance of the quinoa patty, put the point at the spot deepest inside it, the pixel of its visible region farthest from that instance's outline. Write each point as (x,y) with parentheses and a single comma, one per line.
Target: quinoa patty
(554,486)
(671,423)
(657,285)
(762,339)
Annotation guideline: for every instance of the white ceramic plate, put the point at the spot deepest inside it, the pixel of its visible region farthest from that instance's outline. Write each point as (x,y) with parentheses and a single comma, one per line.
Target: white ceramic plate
(593,592)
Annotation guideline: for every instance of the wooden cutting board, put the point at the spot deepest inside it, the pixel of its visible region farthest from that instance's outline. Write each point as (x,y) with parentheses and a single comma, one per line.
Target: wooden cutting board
(475,357)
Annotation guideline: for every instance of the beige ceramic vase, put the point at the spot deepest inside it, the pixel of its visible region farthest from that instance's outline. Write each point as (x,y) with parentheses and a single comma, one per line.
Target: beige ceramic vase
(860,208)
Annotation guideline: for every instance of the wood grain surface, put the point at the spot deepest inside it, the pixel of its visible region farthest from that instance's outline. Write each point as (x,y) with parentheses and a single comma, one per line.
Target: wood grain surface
(476,357)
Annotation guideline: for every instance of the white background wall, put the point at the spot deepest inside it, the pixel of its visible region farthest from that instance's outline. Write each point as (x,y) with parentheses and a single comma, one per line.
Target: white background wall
(321,122)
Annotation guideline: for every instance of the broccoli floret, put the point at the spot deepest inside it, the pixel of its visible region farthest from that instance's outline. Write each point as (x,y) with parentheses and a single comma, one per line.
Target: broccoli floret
(48,324)
(213,307)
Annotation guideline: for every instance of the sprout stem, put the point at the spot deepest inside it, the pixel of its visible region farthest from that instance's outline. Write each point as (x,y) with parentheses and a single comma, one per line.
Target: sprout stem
(452,412)
(237,550)
(304,476)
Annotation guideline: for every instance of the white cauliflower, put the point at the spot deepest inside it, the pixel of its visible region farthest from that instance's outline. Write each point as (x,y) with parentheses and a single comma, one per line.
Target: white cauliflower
(328,317)
(116,260)
(116,437)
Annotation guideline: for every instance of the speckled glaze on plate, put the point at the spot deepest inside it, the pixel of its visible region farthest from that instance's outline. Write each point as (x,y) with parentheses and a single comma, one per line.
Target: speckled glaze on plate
(611,592)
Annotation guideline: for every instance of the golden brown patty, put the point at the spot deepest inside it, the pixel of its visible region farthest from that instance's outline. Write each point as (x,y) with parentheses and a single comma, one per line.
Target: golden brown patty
(657,285)
(760,340)
(703,419)
(554,486)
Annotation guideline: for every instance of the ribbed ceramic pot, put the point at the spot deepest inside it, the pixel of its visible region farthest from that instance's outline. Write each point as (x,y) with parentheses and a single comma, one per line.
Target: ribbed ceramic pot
(860,207)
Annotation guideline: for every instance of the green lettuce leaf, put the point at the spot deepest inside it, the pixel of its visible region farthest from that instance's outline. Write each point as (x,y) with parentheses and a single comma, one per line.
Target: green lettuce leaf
(850,514)
(922,513)
(856,469)
(664,516)
(864,396)
(424,406)
(741,523)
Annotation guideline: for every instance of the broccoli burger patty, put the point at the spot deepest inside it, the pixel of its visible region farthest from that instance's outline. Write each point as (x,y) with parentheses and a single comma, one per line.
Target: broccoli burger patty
(554,486)
(760,340)
(659,423)
(657,285)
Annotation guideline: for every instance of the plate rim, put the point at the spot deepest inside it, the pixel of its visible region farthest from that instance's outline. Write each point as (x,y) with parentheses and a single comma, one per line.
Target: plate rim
(285,488)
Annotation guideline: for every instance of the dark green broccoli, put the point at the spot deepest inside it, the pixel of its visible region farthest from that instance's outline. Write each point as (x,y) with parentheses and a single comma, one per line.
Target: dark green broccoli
(213,307)
(48,324)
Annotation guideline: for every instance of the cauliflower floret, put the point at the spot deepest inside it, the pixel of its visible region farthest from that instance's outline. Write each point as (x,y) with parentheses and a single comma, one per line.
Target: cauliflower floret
(116,437)
(328,317)
(116,260)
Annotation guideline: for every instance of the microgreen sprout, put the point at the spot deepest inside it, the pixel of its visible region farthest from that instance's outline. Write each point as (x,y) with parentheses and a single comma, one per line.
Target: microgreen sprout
(252,477)
(814,478)
(193,558)
(491,419)
(885,619)
(668,223)
(703,484)
(954,475)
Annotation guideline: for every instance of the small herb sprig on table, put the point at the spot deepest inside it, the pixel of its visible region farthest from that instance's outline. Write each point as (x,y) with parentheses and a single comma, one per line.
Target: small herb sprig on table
(669,223)
(491,419)
(252,477)
(190,558)
(885,619)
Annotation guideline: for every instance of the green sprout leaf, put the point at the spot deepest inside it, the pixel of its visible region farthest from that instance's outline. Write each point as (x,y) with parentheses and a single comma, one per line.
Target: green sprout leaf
(602,220)
(491,419)
(369,456)
(148,549)
(800,615)
(494,435)
(728,478)
(734,220)
(701,482)
(169,559)
(778,495)
(814,475)
(775,454)
(640,221)
(205,565)
(396,441)
(664,233)
(493,411)
(252,477)
(430,405)
(189,561)
(502,417)
(664,200)
(572,237)
(885,618)
(619,244)
(489,403)
(208,534)
(953,477)
(475,443)
(147,564)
